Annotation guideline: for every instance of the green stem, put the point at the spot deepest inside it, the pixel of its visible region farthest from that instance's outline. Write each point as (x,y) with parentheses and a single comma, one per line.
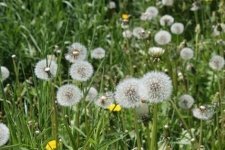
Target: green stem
(154,129)
(137,132)
(200,138)
(148,137)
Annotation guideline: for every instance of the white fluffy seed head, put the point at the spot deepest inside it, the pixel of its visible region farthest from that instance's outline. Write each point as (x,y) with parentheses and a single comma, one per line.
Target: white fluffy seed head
(127,34)
(127,93)
(177,28)
(186,101)
(152,11)
(140,33)
(4,73)
(46,69)
(162,37)
(68,95)
(155,51)
(76,52)
(92,94)
(98,53)
(157,87)
(203,114)
(112,5)
(217,63)
(186,53)
(81,71)
(105,100)
(166,20)
(4,134)
(167,2)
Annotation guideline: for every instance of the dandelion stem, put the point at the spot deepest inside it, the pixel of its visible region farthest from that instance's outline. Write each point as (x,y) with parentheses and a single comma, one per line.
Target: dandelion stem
(137,132)
(200,138)
(154,128)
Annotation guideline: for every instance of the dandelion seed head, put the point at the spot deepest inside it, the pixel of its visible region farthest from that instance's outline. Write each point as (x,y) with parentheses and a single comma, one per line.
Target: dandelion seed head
(166,20)
(186,101)
(127,34)
(152,11)
(140,33)
(92,94)
(4,73)
(105,100)
(177,28)
(45,69)
(68,95)
(98,53)
(217,63)
(167,2)
(162,37)
(205,113)
(112,5)
(4,134)
(186,53)
(81,71)
(157,87)
(156,51)
(76,52)
(127,93)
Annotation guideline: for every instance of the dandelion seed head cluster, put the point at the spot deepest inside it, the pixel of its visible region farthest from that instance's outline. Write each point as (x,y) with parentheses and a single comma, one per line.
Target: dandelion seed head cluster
(4,73)
(157,87)
(186,53)
(186,101)
(4,134)
(46,69)
(177,28)
(166,20)
(81,71)
(98,53)
(216,63)
(127,93)
(76,52)
(68,95)
(162,37)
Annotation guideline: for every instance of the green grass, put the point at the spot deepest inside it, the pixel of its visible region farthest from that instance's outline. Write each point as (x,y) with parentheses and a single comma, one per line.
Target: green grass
(30,29)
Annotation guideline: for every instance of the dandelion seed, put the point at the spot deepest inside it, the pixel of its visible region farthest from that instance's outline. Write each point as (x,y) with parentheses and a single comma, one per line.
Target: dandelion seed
(92,94)
(4,134)
(45,69)
(166,20)
(186,53)
(177,28)
(127,34)
(68,95)
(127,93)
(156,51)
(167,2)
(216,63)
(98,53)
(157,87)
(162,37)
(105,100)
(114,107)
(81,71)
(140,33)
(4,73)
(203,113)
(51,145)
(76,52)
(186,101)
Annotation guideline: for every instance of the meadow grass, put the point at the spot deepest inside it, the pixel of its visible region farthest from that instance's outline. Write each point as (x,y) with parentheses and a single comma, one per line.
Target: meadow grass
(31,30)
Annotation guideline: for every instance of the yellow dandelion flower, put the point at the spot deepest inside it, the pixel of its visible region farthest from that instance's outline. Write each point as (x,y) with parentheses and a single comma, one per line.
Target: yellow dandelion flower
(51,145)
(125,17)
(114,107)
